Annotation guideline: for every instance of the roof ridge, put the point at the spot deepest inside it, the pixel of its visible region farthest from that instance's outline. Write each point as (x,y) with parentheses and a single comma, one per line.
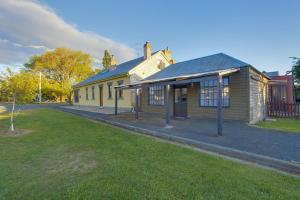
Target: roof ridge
(221,53)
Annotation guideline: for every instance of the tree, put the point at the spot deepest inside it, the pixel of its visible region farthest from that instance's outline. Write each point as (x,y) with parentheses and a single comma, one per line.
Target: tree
(22,86)
(296,74)
(296,69)
(106,59)
(64,66)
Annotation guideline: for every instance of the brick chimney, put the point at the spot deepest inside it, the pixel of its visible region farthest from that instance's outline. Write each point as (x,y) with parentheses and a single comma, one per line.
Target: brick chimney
(147,50)
(113,63)
(167,53)
(113,60)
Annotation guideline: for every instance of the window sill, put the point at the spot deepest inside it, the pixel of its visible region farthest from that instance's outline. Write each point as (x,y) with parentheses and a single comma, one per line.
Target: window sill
(155,105)
(213,106)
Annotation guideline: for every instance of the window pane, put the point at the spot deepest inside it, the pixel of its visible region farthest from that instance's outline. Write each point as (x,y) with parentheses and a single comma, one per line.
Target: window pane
(226,89)
(209,93)
(225,81)
(206,103)
(156,95)
(202,102)
(215,82)
(215,102)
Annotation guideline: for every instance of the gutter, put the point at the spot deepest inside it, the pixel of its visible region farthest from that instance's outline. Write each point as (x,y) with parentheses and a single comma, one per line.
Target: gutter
(220,72)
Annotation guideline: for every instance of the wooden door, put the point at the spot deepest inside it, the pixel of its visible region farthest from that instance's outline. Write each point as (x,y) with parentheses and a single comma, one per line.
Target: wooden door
(180,102)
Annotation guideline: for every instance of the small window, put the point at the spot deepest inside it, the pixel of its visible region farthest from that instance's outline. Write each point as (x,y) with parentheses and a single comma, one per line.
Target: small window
(209,93)
(87,93)
(157,95)
(93,92)
(109,87)
(76,96)
(120,92)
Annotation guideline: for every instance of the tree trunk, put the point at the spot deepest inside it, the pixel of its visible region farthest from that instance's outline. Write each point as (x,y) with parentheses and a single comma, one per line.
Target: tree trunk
(12,127)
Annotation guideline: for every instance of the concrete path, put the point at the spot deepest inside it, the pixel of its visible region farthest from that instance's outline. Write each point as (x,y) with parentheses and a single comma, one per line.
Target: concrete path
(97,109)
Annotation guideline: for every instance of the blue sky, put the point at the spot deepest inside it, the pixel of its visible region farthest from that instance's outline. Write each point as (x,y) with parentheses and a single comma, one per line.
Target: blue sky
(262,33)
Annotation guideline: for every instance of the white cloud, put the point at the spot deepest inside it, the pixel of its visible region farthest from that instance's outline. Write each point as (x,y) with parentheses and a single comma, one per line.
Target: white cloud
(28,27)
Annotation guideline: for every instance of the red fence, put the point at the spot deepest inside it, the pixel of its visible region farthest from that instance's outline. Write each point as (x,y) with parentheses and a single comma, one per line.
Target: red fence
(283,109)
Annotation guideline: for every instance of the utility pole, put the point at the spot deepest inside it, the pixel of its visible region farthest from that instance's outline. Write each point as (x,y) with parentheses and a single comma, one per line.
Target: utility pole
(40,88)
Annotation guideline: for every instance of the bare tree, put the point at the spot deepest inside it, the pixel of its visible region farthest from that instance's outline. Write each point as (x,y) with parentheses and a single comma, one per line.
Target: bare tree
(12,127)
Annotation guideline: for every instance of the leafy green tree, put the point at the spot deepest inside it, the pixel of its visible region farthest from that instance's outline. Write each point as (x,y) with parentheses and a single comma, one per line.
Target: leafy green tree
(296,74)
(296,69)
(24,84)
(64,66)
(106,59)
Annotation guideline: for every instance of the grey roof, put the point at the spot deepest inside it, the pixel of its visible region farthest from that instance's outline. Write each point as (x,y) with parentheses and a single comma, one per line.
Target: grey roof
(205,64)
(120,69)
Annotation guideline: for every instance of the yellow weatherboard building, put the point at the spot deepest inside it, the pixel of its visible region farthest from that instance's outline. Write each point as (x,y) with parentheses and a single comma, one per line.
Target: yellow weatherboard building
(99,89)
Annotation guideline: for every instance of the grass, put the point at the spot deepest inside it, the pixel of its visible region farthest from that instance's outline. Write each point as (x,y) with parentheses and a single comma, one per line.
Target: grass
(69,157)
(282,124)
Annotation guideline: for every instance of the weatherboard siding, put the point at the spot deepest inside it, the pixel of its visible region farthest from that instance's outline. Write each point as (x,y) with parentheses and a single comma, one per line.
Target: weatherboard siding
(257,96)
(239,99)
(159,109)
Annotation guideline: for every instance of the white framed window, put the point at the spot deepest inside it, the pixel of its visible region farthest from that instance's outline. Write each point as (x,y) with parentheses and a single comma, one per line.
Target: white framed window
(109,87)
(157,95)
(87,93)
(209,93)
(93,92)
(120,91)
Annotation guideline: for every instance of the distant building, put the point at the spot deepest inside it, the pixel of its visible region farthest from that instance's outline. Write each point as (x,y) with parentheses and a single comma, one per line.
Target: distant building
(281,88)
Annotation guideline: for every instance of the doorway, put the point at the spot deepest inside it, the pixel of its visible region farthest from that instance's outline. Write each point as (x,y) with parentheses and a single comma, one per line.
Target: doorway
(180,101)
(101,95)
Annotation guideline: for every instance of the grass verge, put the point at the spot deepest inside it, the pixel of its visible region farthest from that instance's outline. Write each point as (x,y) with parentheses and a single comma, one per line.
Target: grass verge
(282,124)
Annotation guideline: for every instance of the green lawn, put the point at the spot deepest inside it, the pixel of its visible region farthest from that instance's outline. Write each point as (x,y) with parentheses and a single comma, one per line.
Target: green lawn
(68,157)
(283,124)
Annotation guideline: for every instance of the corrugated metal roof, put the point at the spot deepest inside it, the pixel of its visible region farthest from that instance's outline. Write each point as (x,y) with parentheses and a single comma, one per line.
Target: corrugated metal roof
(216,62)
(120,69)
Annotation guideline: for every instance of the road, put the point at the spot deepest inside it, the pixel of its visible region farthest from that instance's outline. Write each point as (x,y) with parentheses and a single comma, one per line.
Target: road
(7,107)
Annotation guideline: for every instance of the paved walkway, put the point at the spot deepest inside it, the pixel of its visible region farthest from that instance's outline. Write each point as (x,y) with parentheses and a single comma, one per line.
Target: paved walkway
(238,136)
(97,109)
